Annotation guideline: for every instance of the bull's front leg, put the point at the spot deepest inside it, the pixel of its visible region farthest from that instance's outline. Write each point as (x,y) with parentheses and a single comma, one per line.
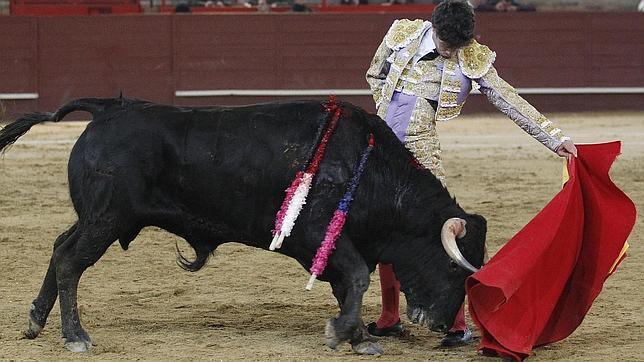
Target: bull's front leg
(349,277)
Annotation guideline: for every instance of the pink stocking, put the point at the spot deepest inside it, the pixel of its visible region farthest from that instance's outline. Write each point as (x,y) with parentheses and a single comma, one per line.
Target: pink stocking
(390,294)
(459,321)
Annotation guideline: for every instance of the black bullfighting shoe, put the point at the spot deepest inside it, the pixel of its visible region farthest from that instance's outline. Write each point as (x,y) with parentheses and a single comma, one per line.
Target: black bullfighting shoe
(395,330)
(457,338)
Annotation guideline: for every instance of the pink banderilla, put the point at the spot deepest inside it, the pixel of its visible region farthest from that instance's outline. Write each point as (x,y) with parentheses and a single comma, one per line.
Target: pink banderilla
(298,191)
(336,224)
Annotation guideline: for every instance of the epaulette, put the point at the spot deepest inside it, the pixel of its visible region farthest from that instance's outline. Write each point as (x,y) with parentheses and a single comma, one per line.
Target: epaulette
(402,32)
(475,59)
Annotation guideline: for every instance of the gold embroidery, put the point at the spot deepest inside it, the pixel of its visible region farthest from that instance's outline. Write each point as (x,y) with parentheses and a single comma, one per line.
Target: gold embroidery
(410,75)
(451,85)
(375,76)
(447,113)
(449,99)
(423,80)
(509,94)
(403,32)
(422,140)
(423,90)
(377,98)
(448,106)
(554,132)
(429,71)
(449,66)
(475,59)
(396,70)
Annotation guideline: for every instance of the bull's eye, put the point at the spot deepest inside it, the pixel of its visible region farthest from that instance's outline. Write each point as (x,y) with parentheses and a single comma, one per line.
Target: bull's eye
(453,265)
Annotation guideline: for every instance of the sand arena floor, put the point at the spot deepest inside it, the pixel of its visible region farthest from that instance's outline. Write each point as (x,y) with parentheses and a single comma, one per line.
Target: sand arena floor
(248,304)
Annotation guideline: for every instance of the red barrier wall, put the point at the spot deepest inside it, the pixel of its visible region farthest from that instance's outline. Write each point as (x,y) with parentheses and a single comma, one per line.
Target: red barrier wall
(18,61)
(152,56)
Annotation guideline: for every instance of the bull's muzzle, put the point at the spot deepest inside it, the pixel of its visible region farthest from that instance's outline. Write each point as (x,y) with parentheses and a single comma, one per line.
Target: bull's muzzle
(420,316)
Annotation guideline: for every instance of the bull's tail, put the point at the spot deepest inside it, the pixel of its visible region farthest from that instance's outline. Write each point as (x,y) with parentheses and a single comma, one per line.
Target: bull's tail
(202,252)
(11,132)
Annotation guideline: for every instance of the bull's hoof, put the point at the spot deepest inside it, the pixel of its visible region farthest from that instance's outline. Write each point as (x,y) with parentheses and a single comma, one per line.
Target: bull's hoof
(332,340)
(367,347)
(34,328)
(77,341)
(78,346)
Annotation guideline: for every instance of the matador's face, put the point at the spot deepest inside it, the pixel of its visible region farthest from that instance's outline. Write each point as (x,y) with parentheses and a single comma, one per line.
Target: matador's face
(442,47)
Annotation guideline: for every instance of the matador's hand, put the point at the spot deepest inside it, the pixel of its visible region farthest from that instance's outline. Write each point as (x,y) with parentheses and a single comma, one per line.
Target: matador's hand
(567,149)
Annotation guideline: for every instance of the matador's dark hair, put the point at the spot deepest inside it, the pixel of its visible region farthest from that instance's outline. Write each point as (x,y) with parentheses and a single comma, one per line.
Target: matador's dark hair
(454,22)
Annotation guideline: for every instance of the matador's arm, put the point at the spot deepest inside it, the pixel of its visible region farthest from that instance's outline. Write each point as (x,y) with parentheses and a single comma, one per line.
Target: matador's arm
(505,98)
(377,72)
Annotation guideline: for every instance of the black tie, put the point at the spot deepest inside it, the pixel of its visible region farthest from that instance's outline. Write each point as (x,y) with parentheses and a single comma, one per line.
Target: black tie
(430,56)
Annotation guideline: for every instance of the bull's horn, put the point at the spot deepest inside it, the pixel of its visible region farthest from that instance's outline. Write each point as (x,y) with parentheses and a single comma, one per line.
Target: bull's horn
(453,228)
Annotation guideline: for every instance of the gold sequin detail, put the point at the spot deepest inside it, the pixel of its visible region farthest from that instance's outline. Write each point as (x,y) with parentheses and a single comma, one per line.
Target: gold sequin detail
(475,59)
(449,66)
(429,70)
(423,90)
(422,80)
(448,106)
(386,52)
(403,32)
(447,113)
(451,85)
(509,94)
(448,99)
(422,139)
(375,74)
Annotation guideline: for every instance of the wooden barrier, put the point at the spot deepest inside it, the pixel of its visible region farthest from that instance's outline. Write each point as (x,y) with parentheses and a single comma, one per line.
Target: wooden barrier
(73,7)
(585,61)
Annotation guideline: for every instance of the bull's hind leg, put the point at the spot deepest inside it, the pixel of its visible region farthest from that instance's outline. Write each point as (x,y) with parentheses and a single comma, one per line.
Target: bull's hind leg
(44,302)
(349,280)
(71,259)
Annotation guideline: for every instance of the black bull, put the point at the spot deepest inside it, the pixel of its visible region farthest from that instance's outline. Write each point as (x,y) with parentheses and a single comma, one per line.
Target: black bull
(218,174)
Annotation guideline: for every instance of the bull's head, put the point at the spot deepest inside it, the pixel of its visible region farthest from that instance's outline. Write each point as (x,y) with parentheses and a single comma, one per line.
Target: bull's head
(435,290)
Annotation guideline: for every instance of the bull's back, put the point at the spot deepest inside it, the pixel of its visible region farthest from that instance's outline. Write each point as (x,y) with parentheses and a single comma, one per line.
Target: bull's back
(238,161)
(224,163)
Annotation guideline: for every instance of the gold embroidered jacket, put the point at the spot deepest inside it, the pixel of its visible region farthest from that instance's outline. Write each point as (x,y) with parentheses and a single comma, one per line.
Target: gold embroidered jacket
(449,81)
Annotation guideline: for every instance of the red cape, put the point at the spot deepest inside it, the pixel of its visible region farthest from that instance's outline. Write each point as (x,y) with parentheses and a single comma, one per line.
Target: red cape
(538,288)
